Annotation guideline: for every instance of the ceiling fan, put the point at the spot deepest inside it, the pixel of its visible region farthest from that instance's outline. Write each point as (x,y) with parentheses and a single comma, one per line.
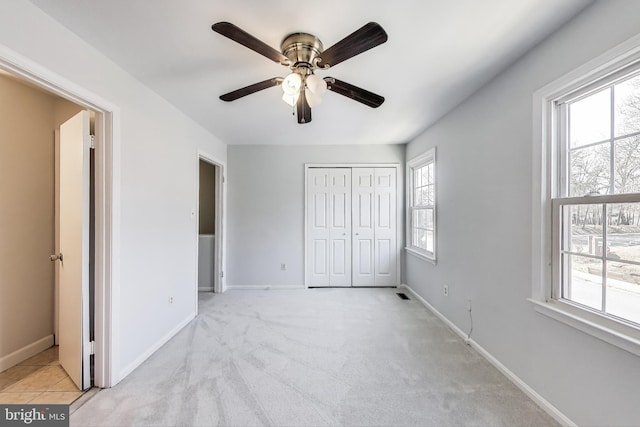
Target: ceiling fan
(304,54)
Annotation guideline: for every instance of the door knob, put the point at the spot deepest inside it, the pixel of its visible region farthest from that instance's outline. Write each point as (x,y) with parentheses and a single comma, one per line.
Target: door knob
(55,257)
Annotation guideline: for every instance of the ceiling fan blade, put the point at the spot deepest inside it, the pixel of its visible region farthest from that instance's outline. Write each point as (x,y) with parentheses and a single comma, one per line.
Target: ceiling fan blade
(354,92)
(232,96)
(238,35)
(367,37)
(304,111)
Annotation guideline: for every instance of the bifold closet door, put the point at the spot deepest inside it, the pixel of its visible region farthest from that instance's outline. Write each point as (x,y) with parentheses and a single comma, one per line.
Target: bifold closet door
(374,227)
(385,231)
(363,208)
(329,227)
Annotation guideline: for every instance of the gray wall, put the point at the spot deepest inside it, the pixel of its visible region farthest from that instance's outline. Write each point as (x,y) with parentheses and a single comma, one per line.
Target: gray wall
(265,220)
(484,176)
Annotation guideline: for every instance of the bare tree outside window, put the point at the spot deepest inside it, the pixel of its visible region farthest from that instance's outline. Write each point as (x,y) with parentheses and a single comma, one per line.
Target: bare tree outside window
(600,256)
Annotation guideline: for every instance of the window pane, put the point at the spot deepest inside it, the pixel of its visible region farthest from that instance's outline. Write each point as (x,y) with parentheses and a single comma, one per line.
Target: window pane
(623,233)
(417,197)
(582,281)
(425,175)
(590,170)
(420,218)
(627,109)
(417,178)
(431,195)
(421,239)
(590,119)
(623,291)
(429,218)
(423,218)
(429,241)
(583,229)
(627,164)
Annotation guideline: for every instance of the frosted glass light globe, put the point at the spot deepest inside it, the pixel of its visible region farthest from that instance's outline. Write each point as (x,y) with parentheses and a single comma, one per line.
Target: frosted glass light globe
(291,99)
(291,84)
(316,84)
(313,99)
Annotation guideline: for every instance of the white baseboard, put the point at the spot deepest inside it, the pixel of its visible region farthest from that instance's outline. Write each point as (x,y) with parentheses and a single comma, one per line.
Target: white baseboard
(144,356)
(25,352)
(263,287)
(533,395)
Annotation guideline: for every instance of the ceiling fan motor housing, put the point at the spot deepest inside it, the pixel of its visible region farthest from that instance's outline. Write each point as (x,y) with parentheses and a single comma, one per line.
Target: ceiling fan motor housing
(301,49)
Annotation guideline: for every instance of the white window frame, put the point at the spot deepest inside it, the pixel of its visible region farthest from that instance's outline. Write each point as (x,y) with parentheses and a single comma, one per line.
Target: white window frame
(424,159)
(547,156)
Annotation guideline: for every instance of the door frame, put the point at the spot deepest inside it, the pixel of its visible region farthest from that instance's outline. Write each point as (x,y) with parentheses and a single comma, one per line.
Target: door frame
(220,220)
(107,203)
(399,206)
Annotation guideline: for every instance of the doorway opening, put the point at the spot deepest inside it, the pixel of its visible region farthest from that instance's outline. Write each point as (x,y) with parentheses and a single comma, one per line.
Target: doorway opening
(40,332)
(37,140)
(210,225)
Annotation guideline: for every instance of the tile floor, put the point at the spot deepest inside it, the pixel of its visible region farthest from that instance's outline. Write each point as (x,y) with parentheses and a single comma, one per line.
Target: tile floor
(39,379)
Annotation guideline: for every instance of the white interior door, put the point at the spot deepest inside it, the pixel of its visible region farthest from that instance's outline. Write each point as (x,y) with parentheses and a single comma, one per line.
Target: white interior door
(329,227)
(318,227)
(385,232)
(374,227)
(340,227)
(73,222)
(363,181)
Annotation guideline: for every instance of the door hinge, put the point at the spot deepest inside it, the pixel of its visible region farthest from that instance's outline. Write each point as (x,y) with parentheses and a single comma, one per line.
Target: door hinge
(222,274)
(92,347)
(92,142)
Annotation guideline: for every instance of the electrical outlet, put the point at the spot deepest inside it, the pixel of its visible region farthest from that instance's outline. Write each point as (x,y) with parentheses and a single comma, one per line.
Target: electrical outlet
(445,290)
(170,300)
(283,267)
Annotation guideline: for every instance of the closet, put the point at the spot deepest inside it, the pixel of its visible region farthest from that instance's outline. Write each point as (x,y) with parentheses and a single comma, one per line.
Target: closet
(351,226)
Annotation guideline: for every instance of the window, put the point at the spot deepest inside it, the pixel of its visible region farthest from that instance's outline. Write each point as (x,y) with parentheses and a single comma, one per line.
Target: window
(597,210)
(421,209)
(589,222)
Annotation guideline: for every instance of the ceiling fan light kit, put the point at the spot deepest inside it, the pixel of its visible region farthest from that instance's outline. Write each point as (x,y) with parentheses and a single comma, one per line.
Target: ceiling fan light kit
(304,54)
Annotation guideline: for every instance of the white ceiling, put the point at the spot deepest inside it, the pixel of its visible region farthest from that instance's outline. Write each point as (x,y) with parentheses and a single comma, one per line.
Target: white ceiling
(438,53)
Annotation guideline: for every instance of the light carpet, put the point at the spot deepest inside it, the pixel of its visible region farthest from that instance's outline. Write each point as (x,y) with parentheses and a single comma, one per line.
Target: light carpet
(313,357)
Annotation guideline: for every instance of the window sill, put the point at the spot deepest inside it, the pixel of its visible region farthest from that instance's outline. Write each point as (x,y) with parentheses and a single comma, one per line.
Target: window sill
(420,255)
(608,330)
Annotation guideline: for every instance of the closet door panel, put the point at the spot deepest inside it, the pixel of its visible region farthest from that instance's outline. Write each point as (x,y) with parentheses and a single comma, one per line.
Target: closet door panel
(320,259)
(363,202)
(318,230)
(385,229)
(340,227)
